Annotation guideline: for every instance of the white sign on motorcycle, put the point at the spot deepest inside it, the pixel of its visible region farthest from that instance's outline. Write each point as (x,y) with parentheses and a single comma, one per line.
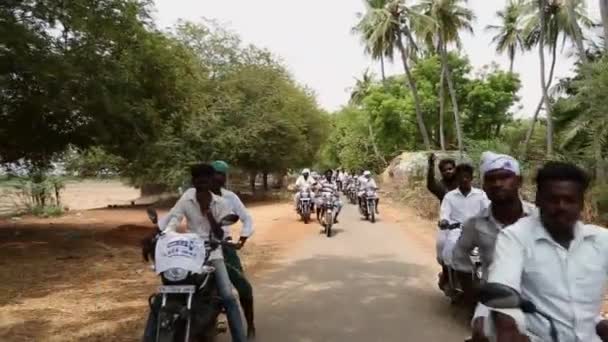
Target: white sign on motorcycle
(179,251)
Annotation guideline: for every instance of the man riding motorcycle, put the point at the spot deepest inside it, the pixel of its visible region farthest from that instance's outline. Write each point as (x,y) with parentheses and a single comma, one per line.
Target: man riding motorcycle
(328,186)
(555,262)
(231,257)
(501,183)
(456,208)
(366,182)
(304,181)
(203,210)
(448,181)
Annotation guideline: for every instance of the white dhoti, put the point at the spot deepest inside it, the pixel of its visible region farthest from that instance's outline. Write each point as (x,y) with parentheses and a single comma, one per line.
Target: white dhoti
(448,247)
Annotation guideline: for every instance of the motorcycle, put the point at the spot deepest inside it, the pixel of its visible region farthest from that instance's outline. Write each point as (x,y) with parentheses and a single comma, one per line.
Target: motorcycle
(305,205)
(187,305)
(328,208)
(368,205)
(477,268)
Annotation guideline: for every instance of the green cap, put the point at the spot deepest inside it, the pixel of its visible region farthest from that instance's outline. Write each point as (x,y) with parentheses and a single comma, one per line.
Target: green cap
(220,166)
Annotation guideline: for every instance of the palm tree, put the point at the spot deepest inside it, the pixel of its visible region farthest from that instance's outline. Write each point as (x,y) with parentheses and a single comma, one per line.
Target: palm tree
(362,89)
(604,11)
(450,17)
(382,28)
(558,23)
(509,34)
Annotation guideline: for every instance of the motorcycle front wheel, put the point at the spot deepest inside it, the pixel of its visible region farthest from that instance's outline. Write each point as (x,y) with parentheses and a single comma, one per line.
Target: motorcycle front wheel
(328,223)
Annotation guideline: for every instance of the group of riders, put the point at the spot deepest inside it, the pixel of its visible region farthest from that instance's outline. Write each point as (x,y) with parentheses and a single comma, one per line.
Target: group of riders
(330,184)
(542,251)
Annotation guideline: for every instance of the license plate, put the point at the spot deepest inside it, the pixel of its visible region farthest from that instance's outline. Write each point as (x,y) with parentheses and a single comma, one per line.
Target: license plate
(177,289)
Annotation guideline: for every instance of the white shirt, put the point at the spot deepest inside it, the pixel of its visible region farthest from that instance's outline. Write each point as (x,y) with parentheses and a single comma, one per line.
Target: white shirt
(365,183)
(238,208)
(457,208)
(302,183)
(566,284)
(187,206)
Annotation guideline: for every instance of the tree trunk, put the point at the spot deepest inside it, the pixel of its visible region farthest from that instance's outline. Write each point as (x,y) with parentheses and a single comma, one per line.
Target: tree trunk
(414,89)
(600,175)
(511,59)
(372,138)
(604,12)
(543,80)
(442,110)
(448,76)
(382,71)
(265,180)
(577,33)
(530,131)
(252,176)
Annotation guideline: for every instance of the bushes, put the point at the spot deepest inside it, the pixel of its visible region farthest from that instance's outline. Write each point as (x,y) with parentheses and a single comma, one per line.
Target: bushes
(40,195)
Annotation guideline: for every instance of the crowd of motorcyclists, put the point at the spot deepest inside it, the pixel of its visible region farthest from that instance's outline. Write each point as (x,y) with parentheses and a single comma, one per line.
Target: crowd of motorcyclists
(486,236)
(358,188)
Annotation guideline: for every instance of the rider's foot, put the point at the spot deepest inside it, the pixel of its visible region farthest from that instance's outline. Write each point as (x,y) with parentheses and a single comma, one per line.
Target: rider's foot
(251,333)
(336,220)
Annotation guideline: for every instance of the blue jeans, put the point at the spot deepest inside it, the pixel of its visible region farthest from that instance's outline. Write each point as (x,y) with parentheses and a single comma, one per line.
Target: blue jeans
(229,301)
(232,306)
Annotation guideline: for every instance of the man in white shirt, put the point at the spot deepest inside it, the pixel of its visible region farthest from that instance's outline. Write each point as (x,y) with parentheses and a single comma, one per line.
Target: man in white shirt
(304,181)
(457,206)
(203,210)
(555,261)
(231,257)
(501,183)
(366,182)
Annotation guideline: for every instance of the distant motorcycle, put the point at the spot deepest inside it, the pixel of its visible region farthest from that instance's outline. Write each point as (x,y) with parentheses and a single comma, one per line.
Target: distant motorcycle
(328,209)
(186,307)
(305,205)
(368,205)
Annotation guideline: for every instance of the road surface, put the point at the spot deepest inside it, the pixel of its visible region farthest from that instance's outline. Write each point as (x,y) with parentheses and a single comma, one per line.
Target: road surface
(369,282)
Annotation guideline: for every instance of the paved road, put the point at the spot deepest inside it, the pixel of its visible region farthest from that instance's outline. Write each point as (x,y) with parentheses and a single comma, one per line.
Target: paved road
(367,283)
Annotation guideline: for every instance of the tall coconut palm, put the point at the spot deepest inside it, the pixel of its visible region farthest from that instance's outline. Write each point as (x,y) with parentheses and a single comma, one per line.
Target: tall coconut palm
(450,17)
(558,23)
(509,34)
(382,27)
(604,12)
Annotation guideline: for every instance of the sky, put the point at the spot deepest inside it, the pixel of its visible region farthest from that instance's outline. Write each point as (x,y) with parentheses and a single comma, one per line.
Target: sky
(314,40)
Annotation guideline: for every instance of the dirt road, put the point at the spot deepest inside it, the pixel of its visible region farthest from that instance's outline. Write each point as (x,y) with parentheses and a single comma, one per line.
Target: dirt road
(80,278)
(370,282)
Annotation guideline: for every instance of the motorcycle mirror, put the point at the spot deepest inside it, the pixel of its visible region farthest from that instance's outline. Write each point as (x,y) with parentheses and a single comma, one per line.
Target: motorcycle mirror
(500,296)
(229,220)
(152,215)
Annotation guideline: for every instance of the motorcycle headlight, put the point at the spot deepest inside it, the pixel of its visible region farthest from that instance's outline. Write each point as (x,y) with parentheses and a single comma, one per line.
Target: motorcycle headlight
(175,274)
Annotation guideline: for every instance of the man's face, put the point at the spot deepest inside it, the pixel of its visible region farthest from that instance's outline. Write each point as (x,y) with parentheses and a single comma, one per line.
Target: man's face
(306,174)
(328,175)
(448,171)
(202,183)
(464,180)
(219,180)
(560,204)
(501,186)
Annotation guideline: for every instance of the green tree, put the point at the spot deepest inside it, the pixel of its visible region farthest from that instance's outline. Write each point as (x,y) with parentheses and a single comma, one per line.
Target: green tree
(450,17)
(382,28)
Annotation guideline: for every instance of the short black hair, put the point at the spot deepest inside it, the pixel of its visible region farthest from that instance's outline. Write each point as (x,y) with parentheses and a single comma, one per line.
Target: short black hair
(465,168)
(202,170)
(445,162)
(328,171)
(560,171)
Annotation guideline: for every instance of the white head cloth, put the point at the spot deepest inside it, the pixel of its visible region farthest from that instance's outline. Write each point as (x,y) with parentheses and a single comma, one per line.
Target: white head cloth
(491,161)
